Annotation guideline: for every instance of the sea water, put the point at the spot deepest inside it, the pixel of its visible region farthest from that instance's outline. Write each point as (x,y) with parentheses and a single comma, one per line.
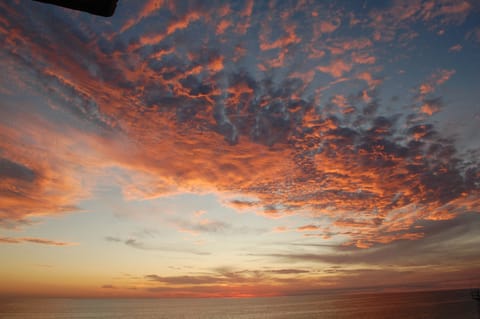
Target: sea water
(417,305)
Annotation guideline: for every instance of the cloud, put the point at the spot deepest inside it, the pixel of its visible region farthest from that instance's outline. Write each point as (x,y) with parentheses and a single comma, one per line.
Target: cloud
(35,181)
(443,76)
(199,213)
(328,27)
(283,111)
(307,228)
(431,106)
(34,240)
(203,225)
(138,244)
(280,229)
(288,271)
(185,280)
(224,276)
(149,8)
(226,282)
(396,20)
(430,249)
(289,38)
(108,287)
(336,69)
(455,48)
(113,239)
(16,224)
(437,78)
(458,7)
(474,34)
(175,110)
(12,170)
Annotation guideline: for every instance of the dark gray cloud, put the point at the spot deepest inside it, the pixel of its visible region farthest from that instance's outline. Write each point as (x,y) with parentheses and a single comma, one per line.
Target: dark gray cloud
(205,226)
(186,280)
(445,242)
(226,275)
(288,271)
(108,287)
(9,169)
(9,223)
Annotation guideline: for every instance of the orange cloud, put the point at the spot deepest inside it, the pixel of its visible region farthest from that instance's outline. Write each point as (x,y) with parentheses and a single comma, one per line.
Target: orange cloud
(443,76)
(328,27)
(216,64)
(456,7)
(222,26)
(280,229)
(429,108)
(336,69)
(52,184)
(288,39)
(175,25)
(307,228)
(436,79)
(230,282)
(199,213)
(368,77)
(149,8)
(363,58)
(426,88)
(178,117)
(42,241)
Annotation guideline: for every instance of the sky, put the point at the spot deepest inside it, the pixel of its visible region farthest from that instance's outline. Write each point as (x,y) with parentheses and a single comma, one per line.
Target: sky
(239,149)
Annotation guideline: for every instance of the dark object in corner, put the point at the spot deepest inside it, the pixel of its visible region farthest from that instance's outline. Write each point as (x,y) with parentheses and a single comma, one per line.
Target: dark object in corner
(104,8)
(475,294)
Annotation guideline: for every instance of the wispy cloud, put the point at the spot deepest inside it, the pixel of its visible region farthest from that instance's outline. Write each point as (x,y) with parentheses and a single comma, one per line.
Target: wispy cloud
(427,250)
(34,240)
(108,287)
(203,225)
(142,245)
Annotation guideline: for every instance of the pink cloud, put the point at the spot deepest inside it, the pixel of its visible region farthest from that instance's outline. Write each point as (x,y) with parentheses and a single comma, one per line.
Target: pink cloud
(455,48)
(336,69)
(457,7)
(328,26)
(437,78)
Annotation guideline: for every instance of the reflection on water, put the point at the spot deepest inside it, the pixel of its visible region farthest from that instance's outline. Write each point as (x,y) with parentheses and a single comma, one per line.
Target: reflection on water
(450,304)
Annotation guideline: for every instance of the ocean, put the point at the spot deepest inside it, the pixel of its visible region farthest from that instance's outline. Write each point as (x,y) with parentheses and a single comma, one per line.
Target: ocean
(417,305)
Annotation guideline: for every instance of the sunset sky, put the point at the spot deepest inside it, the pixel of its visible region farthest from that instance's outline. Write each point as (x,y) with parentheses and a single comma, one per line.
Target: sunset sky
(243,148)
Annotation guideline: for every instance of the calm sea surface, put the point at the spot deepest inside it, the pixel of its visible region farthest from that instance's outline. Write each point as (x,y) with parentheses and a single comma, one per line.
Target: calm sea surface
(447,304)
